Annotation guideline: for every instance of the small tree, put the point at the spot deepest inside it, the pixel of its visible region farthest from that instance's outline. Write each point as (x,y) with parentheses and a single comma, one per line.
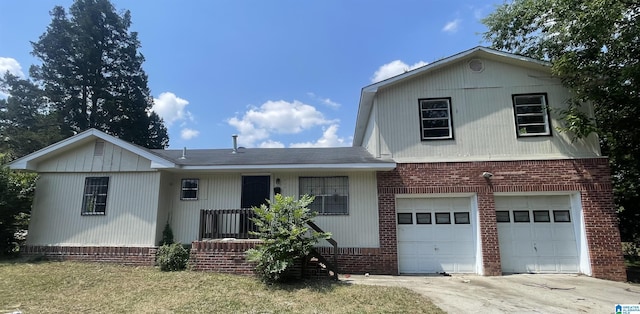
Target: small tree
(282,227)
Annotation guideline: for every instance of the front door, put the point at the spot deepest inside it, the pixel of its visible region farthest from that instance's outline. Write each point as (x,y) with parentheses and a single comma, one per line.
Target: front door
(255,191)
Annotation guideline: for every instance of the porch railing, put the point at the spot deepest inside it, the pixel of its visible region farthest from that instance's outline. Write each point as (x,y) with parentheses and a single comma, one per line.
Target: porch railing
(227,223)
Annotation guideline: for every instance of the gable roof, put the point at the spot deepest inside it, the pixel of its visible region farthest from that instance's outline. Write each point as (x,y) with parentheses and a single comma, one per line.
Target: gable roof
(29,162)
(221,159)
(368,93)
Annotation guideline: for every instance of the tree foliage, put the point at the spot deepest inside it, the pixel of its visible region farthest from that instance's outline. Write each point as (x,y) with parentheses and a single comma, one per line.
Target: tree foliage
(27,123)
(594,47)
(16,195)
(282,227)
(91,72)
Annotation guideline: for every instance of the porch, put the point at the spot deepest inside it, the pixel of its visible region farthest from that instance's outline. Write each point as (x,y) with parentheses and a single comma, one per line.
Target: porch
(226,234)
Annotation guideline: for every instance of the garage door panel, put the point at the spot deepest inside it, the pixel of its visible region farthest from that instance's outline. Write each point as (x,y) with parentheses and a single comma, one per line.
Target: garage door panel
(537,246)
(443,247)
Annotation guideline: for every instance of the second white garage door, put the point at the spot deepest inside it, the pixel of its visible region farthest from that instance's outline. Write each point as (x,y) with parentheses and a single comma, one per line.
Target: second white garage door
(537,234)
(435,235)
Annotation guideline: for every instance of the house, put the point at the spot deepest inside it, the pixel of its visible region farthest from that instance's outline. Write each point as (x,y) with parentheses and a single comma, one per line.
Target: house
(456,167)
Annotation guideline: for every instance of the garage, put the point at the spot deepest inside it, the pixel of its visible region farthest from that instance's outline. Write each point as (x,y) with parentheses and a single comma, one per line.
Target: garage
(537,234)
(436,235)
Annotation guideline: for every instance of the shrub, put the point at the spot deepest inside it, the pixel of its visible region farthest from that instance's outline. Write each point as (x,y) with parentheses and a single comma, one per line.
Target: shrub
(167,235)
(172,257)
(282,227)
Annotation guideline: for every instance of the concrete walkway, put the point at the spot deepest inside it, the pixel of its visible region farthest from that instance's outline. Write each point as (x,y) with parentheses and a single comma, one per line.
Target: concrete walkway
(523,293)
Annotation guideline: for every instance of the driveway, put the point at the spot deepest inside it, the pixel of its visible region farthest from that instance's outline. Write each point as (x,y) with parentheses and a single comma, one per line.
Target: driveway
(522,293)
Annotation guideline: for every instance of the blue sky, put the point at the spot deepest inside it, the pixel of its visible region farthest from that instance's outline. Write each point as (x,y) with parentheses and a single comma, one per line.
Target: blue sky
(278,73)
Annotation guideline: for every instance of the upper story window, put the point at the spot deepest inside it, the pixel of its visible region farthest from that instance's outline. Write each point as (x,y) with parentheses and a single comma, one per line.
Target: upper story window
(189,189)
(331,194)
(435,119)
(94,201)
(532,115)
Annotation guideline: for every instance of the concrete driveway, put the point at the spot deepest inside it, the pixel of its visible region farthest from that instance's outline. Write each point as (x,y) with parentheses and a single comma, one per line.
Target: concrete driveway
(522,293)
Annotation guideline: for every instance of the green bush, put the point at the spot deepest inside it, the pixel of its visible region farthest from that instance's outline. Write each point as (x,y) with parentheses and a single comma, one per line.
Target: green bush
(282,227)
(172,257)
(167,235)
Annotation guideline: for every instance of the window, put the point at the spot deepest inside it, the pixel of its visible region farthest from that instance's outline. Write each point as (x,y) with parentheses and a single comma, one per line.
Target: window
(405,218)
(94,201)
(541,216)
(423,218)
(461,218)
(332,194)
(435,119)
(532,115)
(521,216)
(189,189)
(502,216)
(443,218)
(561,216)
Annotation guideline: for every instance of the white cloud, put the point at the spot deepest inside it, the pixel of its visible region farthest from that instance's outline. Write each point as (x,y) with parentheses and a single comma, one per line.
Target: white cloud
(325,101)
(452,26)
(394,68)
(271,144)
(171,108)
(12,65)
(329,138)
(280,117)
(187,134)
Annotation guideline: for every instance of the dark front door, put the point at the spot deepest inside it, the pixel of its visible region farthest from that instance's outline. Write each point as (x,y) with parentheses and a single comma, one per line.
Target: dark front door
(255,190)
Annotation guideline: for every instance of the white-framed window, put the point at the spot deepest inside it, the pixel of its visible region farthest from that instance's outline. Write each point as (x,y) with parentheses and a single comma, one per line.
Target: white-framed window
(531,115)
(435,119)
(189,189)
(94,200)
(331,194)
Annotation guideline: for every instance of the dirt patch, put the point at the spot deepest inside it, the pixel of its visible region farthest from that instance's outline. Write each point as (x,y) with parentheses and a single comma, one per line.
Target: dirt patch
(522,293)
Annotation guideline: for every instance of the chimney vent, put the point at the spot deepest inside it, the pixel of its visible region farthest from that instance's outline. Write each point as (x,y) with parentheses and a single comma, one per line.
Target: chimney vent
(184,153)
(235,143)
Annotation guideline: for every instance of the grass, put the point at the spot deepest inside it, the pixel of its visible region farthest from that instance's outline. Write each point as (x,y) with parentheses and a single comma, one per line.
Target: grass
(68,287)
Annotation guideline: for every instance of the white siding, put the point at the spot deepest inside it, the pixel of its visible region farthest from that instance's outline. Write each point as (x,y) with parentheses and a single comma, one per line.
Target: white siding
(130,218)
(371,135)
(482,112)
(360,227)
(164,203)
(215,191)
(82,159)
(223,191)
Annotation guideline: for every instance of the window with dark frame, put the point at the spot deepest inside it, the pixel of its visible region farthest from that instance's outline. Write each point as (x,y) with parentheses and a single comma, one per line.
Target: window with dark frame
(443,218)
(541,216)
(189,189)
(531,115)
(405,218)
(94,200)
(423,218)
(502,216)
(331,194)
(461,218)
(435,119)
(521,216)
(561,216)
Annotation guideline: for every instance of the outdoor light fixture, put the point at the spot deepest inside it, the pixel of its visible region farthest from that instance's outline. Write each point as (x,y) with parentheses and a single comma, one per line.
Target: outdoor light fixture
(487,175)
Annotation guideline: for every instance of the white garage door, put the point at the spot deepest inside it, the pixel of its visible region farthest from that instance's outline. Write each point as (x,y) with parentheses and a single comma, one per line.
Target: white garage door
(435,235)
(537,234)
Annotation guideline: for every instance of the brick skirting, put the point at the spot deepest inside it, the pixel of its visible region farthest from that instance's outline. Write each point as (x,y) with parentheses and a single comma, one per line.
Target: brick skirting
(222,256)
(134,256)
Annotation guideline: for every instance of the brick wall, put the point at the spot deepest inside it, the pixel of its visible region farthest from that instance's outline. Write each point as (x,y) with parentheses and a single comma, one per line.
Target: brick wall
(222,256)
(591,177)
(134,256)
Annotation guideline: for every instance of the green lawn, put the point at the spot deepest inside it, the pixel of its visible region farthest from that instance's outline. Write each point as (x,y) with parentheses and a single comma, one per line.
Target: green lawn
(67,287)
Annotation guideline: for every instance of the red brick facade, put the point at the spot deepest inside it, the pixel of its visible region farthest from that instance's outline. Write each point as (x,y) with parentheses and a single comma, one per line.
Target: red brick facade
(222,256)
(590,177)
(134,256)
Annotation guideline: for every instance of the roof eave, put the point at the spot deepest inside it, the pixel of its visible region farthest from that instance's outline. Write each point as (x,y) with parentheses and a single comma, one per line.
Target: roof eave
(386,166)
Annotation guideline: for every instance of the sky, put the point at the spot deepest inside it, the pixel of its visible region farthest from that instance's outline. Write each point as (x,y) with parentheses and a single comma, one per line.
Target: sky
(279,73)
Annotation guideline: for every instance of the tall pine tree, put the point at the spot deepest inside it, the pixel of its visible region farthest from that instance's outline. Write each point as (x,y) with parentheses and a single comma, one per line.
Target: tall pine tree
(92,73)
